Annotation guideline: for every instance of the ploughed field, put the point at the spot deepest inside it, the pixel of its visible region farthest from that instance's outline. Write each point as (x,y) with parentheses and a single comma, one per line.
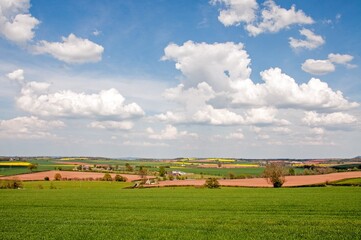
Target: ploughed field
(103,210)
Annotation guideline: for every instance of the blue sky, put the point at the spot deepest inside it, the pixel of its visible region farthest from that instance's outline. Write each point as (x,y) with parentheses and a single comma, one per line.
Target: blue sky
(220,78)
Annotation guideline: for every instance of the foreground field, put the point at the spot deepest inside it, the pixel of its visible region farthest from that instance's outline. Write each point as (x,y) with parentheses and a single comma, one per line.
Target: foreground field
(93,212)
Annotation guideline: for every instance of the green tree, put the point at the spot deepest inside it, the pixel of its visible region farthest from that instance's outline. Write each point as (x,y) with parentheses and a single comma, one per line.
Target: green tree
(212,183)
(275,174)
(162,171)
(142,172)
(128,167)
(120,178)
(107,177)
(291,171)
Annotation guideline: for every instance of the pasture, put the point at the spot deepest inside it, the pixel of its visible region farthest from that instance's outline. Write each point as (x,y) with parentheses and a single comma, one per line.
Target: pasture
(103,210)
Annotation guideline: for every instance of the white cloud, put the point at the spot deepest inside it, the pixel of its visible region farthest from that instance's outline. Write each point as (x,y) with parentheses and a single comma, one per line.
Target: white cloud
(238,135)
(264,116)
(332,120)
(275,18)
(16,24)
(71,50)
(341,59)
(236,11)
(318,67)
(145,144)
(318,131)
(280,90)
(169,133)
(112,125)
(312,40)
(96,32)
(17,75)
(35,99)
(212,116)
(281,129)
(218,64)
(28,127)
(217,76)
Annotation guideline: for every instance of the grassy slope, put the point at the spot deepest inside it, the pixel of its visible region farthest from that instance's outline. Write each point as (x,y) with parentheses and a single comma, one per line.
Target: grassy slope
(97,211)
(352,181)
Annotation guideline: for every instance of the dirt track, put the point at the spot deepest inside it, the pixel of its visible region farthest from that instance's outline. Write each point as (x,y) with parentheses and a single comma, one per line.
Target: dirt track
(261,182)
(67,174)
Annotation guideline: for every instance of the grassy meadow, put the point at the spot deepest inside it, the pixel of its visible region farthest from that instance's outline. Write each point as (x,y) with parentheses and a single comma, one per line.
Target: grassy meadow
(104,210)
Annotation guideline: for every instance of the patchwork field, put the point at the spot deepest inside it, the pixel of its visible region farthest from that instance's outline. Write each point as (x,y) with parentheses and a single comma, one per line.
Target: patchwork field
(103,210)
(67,174)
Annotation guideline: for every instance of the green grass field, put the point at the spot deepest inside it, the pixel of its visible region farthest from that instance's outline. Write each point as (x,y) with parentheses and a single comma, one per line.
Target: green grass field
(348,182)
(103,210)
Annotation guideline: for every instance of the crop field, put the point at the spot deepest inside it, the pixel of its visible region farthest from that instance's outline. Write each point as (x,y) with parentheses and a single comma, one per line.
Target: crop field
(352,181)
(103,210)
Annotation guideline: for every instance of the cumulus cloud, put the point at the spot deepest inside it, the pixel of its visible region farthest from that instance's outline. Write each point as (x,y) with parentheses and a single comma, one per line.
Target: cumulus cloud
(264,116)
(236,11)
(16,23)
(112,125)
(218,64)
(169,133)
(17,75)
(312,40)
(280,90)
(273,18)
(238,135)
(213,116)
(321,67)
(28,127)
(343,59)
(36,99)
(71,50)
(216,78)
(318,67)
(332,120)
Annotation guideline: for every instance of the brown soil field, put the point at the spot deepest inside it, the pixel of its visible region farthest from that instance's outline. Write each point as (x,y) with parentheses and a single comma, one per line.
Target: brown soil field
(67,174)
(291,181)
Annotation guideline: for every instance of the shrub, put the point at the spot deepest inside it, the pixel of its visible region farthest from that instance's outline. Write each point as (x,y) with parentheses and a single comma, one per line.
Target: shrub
(119,178)
(57,177)
(291,171)
(212,183)
(162,171)
(107,177)
(46,178)
(275,174)
(11,184)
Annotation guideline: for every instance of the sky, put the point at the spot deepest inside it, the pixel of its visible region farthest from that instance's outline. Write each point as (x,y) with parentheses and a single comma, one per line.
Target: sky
(166,79)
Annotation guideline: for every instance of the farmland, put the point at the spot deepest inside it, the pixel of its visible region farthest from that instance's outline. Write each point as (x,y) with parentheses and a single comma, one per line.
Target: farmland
(103,210)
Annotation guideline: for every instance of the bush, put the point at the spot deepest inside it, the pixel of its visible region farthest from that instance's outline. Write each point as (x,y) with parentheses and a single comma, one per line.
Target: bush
(275,174)
(11,184)
(212,183)
(57,177)
(119,178)
(107,177)
(46,178)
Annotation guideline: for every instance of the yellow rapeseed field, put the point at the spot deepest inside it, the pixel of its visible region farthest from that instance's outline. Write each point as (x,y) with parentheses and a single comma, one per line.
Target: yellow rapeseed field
(15,164)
